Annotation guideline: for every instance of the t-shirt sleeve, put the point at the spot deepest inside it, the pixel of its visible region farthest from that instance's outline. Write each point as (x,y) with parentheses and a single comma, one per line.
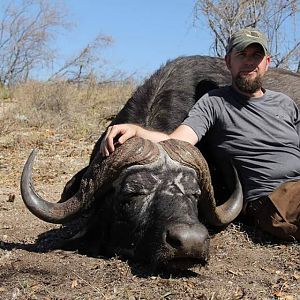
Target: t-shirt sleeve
(202,116)
(297,119)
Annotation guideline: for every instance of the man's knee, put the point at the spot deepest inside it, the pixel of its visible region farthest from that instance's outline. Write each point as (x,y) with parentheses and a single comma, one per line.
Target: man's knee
(266,216)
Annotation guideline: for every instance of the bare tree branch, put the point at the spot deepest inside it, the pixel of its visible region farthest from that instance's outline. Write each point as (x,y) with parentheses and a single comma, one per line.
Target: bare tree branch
(82,66)
(271,17)
(25,33)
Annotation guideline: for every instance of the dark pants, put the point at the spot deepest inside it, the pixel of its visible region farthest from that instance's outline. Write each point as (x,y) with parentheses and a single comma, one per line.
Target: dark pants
(279,213)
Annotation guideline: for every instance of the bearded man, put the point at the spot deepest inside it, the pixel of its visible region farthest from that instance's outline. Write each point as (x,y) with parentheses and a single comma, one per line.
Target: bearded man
(256,129)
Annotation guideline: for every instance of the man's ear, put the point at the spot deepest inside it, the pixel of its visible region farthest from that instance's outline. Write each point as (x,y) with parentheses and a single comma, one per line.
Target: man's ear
(268,60)
(228,61)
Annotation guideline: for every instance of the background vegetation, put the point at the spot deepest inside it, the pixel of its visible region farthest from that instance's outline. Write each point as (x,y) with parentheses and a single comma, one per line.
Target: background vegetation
(76,94)
(62,107)
(29,27)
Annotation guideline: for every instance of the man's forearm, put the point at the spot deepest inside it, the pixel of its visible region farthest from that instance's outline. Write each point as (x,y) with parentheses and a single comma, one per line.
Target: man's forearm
(154,136)
(182,132)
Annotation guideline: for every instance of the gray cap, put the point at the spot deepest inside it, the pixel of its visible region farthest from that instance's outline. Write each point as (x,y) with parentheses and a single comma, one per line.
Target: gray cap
(245,37)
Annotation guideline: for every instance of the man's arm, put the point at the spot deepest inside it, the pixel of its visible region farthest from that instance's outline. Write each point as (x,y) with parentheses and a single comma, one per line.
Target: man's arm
(184,133)
(125,131)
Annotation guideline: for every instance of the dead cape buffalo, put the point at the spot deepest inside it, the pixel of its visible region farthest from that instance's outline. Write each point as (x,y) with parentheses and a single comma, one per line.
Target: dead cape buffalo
(148,201)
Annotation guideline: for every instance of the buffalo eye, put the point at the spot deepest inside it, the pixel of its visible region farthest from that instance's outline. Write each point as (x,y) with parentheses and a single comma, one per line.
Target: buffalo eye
(129,196)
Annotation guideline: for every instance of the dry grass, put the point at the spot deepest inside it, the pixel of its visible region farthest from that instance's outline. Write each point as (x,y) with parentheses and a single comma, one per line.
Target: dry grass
(62,107)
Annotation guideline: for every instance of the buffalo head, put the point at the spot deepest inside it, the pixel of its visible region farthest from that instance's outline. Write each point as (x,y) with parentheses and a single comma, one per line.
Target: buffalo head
(145,201)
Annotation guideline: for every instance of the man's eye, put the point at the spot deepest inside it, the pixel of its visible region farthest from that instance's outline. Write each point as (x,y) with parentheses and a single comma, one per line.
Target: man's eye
(240,55)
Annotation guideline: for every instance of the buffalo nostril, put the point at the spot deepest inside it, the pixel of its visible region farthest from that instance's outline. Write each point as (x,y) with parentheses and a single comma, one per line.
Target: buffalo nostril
(187,238)
(173,239)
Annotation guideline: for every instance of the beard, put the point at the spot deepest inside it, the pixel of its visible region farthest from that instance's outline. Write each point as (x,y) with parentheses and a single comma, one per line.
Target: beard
(248,85)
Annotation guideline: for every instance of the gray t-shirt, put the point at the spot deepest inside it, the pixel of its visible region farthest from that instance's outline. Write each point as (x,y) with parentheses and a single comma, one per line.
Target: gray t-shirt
(260,135)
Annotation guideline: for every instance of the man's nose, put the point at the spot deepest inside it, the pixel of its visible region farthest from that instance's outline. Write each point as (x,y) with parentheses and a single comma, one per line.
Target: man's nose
(250,62)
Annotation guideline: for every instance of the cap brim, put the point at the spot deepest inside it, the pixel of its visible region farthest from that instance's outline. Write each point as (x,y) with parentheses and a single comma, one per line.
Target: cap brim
(244,45)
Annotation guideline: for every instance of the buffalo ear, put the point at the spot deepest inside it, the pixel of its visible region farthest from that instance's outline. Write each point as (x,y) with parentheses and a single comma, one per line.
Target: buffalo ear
(72,186)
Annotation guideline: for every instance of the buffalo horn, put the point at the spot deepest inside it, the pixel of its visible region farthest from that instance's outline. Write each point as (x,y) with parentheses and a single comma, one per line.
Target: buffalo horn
(189,155)
(99,175)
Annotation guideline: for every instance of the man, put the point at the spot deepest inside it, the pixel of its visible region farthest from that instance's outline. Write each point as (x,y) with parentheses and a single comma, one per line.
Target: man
(257,129)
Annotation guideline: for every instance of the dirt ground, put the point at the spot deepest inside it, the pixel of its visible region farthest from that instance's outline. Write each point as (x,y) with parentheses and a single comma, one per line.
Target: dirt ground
(244,264)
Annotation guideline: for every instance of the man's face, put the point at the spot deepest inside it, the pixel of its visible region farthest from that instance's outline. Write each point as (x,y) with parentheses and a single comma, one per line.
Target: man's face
(247,68)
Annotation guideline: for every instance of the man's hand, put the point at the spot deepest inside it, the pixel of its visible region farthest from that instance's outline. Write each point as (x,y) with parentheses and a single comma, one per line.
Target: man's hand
(117,135)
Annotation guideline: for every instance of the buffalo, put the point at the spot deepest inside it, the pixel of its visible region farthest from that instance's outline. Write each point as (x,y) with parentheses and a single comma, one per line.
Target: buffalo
(148,201)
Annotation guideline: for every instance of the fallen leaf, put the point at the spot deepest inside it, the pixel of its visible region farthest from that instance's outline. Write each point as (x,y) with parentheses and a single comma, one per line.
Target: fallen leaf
(11,198)
(36,287)
(74,284)
(278,294)
(296,276)
(289,297)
